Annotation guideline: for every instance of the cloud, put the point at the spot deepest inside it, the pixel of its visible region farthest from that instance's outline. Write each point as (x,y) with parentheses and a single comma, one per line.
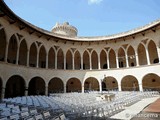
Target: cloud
(94,1)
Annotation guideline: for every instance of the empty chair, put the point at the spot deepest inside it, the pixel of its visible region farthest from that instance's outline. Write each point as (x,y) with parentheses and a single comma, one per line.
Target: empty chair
(24,114)
(14,117)
(3,118)
(33,112)
(46,114)
(62,116)
(38,117)
(56,118)
(24,108)
(29,118)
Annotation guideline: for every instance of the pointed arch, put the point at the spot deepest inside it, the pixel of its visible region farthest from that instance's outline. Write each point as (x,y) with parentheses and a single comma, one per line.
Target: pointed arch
(2,44)
(131,56)
(103,59)
(33,55)
(69,62)
(60,59)
(86,62)
(77,60)
(142,54)
(94,58)
(42,57)
(121,57)
(12,49)
(51,58)
(23,53)
(112,58)
(152,50)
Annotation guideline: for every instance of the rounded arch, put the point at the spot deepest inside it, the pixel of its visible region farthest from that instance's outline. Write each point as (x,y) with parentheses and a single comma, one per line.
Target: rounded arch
(23,53)
(109,83)
(51,58)
(129,83)
(73,85)
(112,58)
(69,59)
(103,59)
(42,57)
(55,85)
(33,55)
(2,44)
(12,49)
(152,50)
(91,84)
(77,60)
(121,57)
(15,86)
(86,63)
(131,56)
(60,59)
(36,86)
(94,58)
(151,81)
(142,54)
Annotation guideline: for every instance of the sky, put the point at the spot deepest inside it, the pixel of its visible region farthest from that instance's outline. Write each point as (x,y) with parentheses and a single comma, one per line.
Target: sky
(90,17)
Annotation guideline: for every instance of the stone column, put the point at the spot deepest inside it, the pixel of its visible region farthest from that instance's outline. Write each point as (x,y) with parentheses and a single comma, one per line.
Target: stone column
(100,86)
(82,88)
(73,62)
(37,64)
(6,52)
(46,90)
(47,61)
(137,59)
(147,55)
(140,87)
(99,62)
(117,62)
(27,57)
(108,61)
(119,87)
(90,62)
(26,91)
(55,60)
(17,55)
(64,87)
(82,62)
(3,93)
(126,56)
(64,61)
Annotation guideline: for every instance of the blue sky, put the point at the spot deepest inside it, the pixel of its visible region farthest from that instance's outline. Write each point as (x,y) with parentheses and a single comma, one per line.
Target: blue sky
(90,17)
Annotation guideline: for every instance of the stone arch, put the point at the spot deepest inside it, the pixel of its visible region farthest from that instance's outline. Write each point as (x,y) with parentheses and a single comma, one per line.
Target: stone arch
(152,50)
(73,85)
(103,59)
(77,60)
(36,86)
(109,83)
(86,62)
(23,53)
(142,54)
(33,55)
(121,57)
(56,85)
(129,83)
(112,58)
(94,58)
(42,57)
(12,49)
(69,61)
(151,81)
(60,59)
(131,56)
(51,58)
(2,44)
(91,84)
(15,86)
